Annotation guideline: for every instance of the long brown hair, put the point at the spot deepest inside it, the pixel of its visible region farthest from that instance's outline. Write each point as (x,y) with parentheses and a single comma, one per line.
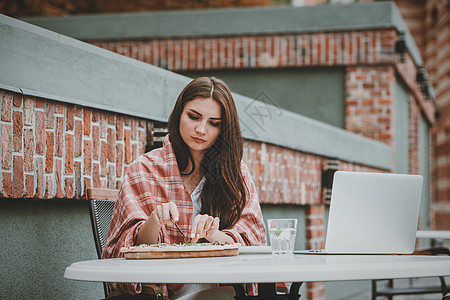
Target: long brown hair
(224,191)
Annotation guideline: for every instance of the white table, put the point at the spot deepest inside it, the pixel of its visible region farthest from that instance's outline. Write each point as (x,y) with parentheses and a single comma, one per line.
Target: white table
(433,234)
(261,268)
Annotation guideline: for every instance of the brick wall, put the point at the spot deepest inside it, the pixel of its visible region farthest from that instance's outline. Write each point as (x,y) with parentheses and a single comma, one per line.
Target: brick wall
(314,49)
(429,24)
(51,149)
(369,101)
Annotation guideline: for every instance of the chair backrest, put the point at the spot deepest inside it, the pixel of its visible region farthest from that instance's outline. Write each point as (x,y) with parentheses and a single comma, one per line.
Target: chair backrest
(101,206)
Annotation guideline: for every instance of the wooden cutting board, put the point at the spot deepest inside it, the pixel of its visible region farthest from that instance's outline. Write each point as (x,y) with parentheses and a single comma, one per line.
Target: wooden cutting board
(179,251)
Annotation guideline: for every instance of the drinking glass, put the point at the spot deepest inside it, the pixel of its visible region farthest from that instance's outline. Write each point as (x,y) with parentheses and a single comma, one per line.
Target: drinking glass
(282,234)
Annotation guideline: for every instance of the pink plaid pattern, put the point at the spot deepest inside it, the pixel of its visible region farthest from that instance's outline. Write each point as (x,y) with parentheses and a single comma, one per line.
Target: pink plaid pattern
(154,178)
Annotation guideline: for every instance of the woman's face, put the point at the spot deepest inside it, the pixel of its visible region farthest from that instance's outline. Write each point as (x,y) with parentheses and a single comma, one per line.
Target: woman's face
(200,124)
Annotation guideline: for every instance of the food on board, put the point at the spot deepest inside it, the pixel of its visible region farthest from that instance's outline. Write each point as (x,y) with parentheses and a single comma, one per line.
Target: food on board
(182,250)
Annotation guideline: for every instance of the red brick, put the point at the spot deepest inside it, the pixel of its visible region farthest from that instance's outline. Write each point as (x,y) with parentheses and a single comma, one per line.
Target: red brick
(87,184)
(6,146)
(40,179)
(111,178)
(69,154)
(103,125)
(87,153)
(49,188)
(95,116)
(119,128)
(40,132)
(68,187)
(133,129)
(315,210)
(17,131)
(95,142)
(111,118)
(59,137)
(29,186)
(142,141)
(96,175)
(103,183)
(385,136)
(134,151)
(103,158)
(111,139)
(78,138)
(50,115)
(78,111)
(384,101)
(319,221)
(119,160)
(69,117)
(314,233)
(127,142)
(58,177)
(118,184)
(28,142)
(49,154)
(443,220)
(78,186)
(315,291)
(7,185)
(18,179)
(28,111)
(59,108)
(87,121)
(127,121)
(384,120)
(17,102)
(40,103)
(7,98)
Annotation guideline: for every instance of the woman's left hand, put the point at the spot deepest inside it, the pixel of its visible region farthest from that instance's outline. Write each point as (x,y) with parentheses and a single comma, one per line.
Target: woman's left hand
(205,226)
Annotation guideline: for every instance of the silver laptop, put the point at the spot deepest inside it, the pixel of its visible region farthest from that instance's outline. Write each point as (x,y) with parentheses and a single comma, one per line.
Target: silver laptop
(372,213)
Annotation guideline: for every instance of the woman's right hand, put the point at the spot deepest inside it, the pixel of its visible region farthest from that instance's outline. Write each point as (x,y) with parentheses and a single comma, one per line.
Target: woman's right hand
(164,214)
(161,215)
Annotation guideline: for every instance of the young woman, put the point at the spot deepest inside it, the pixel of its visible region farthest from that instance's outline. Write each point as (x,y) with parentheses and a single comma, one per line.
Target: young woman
(197,179)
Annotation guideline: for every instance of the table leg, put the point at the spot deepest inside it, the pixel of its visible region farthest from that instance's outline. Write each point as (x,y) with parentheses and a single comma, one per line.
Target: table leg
(267,291)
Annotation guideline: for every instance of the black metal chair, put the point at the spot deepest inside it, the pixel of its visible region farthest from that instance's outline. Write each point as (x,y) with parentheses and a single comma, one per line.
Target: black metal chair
(389,291)
(101,206)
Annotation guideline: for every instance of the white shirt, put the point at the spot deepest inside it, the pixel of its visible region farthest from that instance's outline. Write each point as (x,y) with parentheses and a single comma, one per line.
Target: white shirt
(195,197)
(191,289)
